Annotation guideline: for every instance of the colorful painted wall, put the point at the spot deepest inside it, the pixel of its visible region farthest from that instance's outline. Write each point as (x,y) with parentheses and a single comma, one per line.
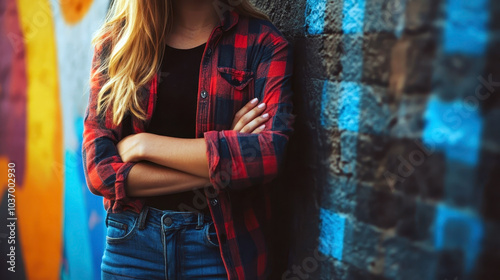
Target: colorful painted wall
(393,169)
(45,63)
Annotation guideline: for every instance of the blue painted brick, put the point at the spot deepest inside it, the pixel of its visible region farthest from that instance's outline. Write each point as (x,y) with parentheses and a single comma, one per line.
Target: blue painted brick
(331,239)
(354,15)
(456,229)
(350,95)
(466,27)
(453,128)
(315,16)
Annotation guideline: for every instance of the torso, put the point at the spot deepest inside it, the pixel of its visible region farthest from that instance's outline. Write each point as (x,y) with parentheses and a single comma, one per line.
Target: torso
(175,113)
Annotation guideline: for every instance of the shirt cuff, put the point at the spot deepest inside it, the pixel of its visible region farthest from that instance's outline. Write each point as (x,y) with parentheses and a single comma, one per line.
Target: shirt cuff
(121,180)
(212,143)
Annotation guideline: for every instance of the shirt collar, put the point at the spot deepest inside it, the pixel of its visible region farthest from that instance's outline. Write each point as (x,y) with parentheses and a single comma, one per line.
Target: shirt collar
(229,19)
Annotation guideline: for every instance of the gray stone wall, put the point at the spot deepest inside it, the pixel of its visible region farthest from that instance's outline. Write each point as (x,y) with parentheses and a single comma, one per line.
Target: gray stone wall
(394,170)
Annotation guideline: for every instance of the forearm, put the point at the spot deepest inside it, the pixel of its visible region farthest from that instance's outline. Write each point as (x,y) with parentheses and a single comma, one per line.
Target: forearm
(150,179)
(188,155)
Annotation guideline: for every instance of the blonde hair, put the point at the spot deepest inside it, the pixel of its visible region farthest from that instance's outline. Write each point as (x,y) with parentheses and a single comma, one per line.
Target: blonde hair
(134,32)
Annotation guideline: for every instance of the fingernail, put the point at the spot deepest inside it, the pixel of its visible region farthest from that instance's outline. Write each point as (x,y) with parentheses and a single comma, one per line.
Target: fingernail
(265,115)
(261,105)
(254,100)
(262,126)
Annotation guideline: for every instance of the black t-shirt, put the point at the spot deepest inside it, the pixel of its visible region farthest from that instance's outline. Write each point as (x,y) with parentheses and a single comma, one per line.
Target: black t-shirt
(175,114)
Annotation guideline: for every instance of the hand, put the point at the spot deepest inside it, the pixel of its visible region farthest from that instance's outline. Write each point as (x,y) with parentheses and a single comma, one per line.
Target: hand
(248,118)
(130,148)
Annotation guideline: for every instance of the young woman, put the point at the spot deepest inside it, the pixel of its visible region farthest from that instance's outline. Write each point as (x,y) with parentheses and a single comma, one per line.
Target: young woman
(185,134)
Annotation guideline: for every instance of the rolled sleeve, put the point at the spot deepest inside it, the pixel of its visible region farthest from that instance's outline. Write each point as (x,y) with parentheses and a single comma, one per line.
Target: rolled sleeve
(239,160)
(105,172)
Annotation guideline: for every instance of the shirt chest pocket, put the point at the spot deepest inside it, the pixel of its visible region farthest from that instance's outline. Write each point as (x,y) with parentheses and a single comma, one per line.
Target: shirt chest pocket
(236,88)
(238,83)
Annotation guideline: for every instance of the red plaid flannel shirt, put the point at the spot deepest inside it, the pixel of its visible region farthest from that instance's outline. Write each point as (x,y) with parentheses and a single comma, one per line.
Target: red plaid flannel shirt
(244,58)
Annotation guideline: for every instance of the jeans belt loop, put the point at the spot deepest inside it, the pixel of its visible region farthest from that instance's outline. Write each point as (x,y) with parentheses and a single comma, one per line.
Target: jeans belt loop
(106,220)
(200,221)
(142,217)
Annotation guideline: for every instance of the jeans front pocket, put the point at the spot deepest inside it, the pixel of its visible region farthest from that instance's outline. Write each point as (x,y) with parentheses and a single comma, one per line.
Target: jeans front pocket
(120,226)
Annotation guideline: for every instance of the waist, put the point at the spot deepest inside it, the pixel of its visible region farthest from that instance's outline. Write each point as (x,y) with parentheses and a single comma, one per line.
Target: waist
(170,218)
(183,202)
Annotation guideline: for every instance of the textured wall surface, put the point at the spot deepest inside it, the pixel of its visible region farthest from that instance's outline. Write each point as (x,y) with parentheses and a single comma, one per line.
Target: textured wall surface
(395,166)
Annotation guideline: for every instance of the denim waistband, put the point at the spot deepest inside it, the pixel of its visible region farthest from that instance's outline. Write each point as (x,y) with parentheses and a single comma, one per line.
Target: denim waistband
(176,217)
(170,218)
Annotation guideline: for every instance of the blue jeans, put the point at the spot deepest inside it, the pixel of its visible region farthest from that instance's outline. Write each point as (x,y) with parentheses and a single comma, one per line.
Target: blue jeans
(161,244)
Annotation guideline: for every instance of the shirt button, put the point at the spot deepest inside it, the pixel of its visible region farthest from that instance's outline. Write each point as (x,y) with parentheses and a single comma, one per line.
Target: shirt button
(167,221)
(214,202)
(204,94)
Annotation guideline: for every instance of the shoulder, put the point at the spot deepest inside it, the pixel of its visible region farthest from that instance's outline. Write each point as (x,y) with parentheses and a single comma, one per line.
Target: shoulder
(102,46)
(260,31)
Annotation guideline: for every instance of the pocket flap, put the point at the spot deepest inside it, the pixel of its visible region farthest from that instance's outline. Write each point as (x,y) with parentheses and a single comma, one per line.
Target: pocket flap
(237,78)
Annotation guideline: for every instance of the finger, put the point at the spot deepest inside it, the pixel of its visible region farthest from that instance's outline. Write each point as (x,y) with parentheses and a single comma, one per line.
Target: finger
(249,106)
(255,123)
(250,116)
(259,129)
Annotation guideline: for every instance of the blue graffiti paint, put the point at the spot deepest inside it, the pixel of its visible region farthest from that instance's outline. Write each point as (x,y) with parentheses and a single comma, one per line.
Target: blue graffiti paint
(349,106)
(354,16)
(454,128)
(331,239)
(352,65)
(95,213)
(77,241)
(84,230)
(466,26)
(456,229)
(315,16)
(352,25)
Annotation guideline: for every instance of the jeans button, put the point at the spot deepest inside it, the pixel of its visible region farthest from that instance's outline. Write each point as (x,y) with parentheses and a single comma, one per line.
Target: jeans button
(204,94)
(167,221)
(214,202)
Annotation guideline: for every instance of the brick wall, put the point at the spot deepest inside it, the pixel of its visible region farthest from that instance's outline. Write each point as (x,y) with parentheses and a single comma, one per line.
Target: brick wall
(395,164)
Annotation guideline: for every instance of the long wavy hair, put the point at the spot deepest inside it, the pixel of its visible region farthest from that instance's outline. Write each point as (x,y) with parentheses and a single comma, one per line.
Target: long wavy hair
(136,31)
